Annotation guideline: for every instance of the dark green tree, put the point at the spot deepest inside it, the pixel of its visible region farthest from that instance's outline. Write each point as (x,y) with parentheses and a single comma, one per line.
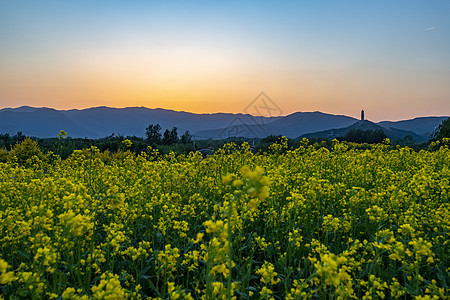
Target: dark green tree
(19,136)
(153,134)
(170,137)
(364,136)
(174,135)
(5,141)
(186,138)
(166,137)
(443,130)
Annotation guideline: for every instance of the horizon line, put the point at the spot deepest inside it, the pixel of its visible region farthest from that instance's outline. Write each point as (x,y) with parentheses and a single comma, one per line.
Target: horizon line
(197,113)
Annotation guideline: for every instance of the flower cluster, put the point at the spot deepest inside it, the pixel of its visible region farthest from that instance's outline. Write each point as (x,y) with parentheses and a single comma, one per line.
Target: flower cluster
(295,223)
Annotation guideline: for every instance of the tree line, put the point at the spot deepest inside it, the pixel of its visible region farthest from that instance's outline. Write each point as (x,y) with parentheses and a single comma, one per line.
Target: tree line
(169,137)
(169,140)
(364,136)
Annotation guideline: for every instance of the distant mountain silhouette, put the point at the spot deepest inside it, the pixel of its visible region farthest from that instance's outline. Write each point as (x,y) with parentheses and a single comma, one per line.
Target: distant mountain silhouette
(423,126)
(392,133)
(103,121)
(290,126)
(41,122)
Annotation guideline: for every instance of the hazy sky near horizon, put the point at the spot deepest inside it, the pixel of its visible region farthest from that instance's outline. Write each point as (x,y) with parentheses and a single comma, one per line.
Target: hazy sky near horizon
(390,58)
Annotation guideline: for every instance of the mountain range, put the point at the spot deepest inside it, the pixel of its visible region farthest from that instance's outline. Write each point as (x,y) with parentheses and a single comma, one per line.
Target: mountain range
(391,132)
(98,122)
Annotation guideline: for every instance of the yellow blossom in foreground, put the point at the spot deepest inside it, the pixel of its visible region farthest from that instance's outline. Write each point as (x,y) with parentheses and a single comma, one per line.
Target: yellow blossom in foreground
(335,220)
(109,288)
(268,274)
(5,276)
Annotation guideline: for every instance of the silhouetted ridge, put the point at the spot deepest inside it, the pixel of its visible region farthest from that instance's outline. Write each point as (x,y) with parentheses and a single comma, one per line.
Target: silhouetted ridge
(102,121)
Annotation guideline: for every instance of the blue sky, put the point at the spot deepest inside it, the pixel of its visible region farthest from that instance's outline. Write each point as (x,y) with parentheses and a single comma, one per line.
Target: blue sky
(391,58)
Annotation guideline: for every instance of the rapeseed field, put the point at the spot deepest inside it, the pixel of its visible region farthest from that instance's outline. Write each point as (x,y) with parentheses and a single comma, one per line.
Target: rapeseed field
(304,223)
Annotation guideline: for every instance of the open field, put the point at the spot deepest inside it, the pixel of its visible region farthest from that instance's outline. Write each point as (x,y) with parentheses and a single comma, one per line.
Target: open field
(295,224)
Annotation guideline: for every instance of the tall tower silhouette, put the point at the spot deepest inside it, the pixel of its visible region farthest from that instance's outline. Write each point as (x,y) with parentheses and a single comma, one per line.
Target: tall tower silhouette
(362,115)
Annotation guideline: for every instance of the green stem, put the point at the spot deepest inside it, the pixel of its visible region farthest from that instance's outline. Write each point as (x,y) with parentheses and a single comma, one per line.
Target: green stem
(230,249)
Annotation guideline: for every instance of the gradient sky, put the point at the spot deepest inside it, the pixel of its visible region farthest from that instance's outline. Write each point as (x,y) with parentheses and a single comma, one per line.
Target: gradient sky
(390,58)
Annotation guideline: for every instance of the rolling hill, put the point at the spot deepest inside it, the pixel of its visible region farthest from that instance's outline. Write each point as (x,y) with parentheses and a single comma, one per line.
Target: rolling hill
(290,126)
(100,122)
(392,133)
(424,126)
(103,121)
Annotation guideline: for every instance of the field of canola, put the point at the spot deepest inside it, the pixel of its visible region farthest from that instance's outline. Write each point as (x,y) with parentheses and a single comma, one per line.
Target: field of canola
(307,223)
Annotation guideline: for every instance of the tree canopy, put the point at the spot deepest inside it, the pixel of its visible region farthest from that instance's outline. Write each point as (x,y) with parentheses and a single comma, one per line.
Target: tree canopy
(364,136)
(443,130)
(153,134)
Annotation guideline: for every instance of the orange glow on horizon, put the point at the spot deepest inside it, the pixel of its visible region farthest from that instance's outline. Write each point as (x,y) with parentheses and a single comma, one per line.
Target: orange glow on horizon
(212,84)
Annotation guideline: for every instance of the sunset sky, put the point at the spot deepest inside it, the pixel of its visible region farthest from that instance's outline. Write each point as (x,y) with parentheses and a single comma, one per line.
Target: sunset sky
(390,58)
